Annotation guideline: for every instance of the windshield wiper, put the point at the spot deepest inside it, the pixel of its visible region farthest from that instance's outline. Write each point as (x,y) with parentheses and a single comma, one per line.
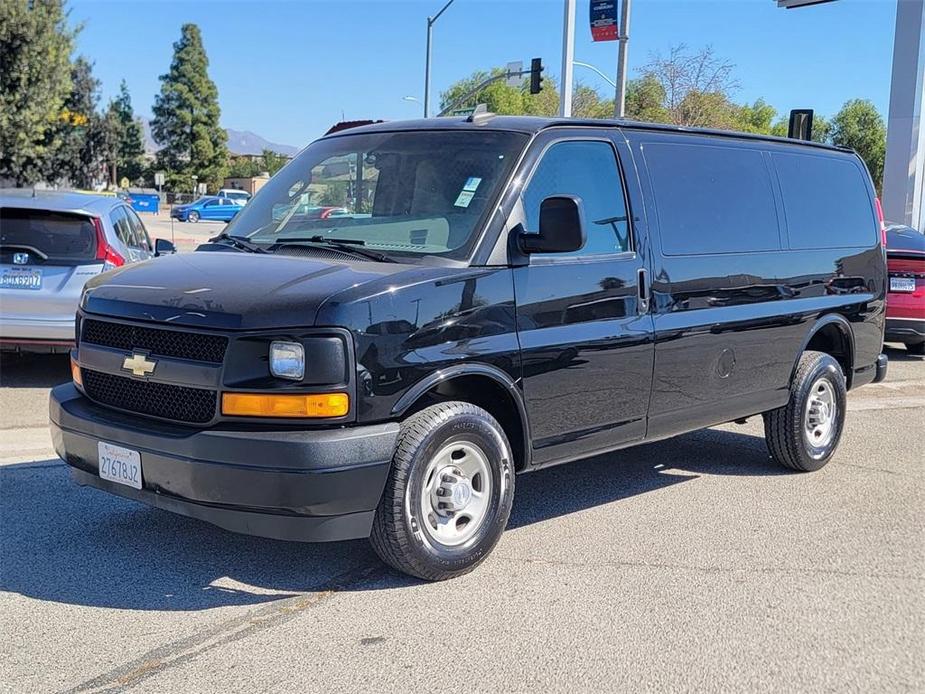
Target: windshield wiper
(349,246)
(239,242)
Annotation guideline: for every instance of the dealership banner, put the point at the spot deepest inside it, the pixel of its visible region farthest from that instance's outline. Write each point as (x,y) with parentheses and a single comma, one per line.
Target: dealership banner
(604,20)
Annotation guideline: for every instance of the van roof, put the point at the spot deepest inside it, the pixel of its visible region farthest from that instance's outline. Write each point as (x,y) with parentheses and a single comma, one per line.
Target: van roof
(534,124)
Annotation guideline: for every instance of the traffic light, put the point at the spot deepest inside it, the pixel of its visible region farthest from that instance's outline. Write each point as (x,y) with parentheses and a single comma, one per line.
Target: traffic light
(536,75)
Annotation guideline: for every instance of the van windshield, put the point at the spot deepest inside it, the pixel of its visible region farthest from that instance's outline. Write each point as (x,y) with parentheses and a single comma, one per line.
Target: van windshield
(400,193)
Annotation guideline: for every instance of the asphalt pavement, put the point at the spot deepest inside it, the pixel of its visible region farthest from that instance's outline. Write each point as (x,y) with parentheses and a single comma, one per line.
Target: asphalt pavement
(689,564)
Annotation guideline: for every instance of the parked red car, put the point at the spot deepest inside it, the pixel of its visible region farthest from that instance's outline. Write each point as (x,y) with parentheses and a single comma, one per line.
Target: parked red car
(905,304)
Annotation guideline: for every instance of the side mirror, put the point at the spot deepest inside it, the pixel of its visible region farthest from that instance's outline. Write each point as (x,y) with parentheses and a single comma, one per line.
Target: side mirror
(163,247)
(562,227)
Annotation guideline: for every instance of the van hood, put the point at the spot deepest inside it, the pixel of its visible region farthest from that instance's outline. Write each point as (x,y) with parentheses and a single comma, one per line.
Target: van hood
(228,290)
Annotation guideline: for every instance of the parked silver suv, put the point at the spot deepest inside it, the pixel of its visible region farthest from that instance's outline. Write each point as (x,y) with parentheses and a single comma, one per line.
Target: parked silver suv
(51,243)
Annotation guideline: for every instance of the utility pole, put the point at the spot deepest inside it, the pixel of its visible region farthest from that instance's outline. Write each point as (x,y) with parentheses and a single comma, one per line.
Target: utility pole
(568,53)
(430,31)
(619,101)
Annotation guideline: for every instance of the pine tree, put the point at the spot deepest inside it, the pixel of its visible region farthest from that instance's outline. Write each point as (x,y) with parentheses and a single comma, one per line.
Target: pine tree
(126,138)
(78,143)
(186,117)
(35,48)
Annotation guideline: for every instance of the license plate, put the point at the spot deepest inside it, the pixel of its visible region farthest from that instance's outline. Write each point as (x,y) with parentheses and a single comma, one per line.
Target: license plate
(118,464)
(902,284)
(21,279)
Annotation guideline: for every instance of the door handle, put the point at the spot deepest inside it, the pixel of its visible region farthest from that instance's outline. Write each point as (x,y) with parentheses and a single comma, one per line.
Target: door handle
(642,289)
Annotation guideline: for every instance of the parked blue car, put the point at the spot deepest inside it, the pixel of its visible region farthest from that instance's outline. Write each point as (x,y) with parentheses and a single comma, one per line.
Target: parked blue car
(209,208)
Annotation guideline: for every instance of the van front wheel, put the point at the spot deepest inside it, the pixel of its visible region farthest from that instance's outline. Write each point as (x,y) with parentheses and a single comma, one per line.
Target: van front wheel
(804,433)
(449,493)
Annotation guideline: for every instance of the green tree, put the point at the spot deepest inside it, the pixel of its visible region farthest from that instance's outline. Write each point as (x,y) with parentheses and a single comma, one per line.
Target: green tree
(186,117)
(503,99)
(645,100)
(126,137)
(35,79)
(498,96)
(756,118)
(860,127)
(272,161)
(244,167)
(697,87)
(80,143)
(822,128)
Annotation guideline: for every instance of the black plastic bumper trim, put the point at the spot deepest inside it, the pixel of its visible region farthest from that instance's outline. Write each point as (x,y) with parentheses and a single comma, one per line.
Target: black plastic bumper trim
(285,484)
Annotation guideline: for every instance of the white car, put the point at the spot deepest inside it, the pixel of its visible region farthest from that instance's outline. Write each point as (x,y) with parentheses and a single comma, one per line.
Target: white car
(238,197)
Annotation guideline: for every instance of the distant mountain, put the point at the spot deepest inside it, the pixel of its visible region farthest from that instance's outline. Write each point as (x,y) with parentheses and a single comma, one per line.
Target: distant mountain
(246,142)
(239,142)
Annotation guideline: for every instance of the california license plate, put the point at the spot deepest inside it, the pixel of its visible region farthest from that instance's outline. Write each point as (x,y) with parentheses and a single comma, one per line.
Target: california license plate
(902,284)
(118,464)
(21,279)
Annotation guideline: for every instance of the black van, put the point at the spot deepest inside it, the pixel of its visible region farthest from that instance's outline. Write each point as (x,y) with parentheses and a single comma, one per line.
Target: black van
(410,313)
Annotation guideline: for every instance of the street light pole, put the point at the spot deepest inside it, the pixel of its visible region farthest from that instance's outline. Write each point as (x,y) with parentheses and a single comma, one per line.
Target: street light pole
(430,31)
(619,101)
(599,72)
(568,52)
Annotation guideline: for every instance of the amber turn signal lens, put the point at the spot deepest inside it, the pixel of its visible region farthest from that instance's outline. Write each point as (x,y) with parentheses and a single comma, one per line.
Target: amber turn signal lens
(75,373)
(263,405)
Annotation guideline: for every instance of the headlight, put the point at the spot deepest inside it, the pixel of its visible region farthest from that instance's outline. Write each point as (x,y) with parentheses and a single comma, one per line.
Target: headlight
(287,360)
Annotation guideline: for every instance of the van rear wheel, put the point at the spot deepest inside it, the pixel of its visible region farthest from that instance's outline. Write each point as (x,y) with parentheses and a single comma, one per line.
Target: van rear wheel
(449,493)
(804,433)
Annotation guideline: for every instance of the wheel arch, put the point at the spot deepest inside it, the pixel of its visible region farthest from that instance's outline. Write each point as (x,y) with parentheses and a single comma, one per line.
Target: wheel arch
(833,335)
(480,384)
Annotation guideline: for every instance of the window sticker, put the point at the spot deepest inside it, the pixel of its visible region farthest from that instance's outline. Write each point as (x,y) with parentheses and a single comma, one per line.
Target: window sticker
(472,184)
(465,197)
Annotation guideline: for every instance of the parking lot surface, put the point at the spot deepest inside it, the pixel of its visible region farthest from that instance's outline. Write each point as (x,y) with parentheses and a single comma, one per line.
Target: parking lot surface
(688,564)
(185,235)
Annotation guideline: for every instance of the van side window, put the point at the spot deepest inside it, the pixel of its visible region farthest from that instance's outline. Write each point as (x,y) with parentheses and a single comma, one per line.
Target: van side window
(712,199)
(826,201)
(589,170)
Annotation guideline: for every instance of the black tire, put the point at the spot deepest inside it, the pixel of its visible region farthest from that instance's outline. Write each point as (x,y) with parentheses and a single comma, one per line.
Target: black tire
(788,441)
(917,349)
(193,216)
(398,535)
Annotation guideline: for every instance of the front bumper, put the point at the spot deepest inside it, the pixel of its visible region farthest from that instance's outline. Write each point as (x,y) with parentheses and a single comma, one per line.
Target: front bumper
(310,486)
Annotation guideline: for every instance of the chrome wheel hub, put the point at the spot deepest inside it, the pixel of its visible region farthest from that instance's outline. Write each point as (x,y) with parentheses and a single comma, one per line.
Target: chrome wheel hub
(821,415)
(456,493)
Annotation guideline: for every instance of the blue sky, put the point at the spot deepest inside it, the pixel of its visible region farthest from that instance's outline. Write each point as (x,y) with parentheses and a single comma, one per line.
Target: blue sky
(288,70)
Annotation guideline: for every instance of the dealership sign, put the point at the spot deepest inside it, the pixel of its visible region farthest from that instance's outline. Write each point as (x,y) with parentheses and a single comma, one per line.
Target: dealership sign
(604,20)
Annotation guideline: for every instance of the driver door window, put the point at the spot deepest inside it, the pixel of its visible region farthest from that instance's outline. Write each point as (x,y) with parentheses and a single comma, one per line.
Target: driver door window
(589,170)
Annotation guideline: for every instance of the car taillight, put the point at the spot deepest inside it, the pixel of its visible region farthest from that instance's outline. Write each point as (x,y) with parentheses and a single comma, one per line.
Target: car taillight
(104,251)
(880,218)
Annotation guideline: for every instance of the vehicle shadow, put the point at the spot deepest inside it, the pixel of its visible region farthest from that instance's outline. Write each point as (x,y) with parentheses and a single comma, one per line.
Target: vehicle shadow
(897,353)
(33,370)
(80,546)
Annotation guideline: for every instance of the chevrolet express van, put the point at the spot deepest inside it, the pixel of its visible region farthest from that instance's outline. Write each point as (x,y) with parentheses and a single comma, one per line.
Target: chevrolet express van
(500,294)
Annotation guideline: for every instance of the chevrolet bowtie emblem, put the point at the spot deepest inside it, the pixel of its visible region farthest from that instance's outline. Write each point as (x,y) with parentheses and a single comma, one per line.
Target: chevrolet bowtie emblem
(139,364)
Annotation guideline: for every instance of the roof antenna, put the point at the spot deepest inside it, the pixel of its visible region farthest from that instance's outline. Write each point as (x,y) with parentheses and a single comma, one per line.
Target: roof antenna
(479,114)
